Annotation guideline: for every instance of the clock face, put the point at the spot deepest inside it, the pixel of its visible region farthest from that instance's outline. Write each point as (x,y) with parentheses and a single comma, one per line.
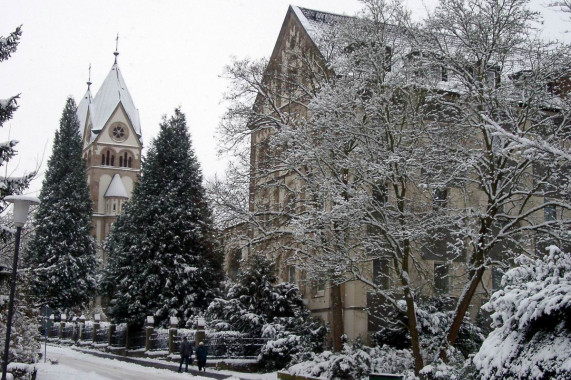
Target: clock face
(119,133)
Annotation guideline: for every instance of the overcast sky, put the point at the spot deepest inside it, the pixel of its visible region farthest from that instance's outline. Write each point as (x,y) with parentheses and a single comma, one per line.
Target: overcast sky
(172,53)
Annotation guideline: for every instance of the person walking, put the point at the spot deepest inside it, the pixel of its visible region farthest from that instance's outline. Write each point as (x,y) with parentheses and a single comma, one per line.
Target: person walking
(185,353)
(201,354)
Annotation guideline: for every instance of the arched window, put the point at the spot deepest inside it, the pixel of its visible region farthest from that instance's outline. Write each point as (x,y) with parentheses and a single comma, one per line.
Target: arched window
(129,162)
(120,161)
(108,159)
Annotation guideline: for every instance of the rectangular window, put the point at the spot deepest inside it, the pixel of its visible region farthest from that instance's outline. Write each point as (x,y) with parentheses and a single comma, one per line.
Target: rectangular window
(497,274)
(440,197)
(441,278)
(549,213)
(388,58)
(382,273)
(291,274)
(380,194)
(318,288)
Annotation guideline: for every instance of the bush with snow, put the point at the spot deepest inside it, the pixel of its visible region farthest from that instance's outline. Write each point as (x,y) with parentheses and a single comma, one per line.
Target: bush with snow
(256,305)
(532,322)
(434,316)
(357,362)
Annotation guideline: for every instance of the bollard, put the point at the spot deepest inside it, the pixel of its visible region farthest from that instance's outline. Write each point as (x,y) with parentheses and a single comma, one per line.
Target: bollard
(172,334)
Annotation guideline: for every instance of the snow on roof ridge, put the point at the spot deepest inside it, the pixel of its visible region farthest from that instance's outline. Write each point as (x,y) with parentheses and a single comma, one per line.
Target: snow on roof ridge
(83,109)
(324,15)
(112,92)
(116,188)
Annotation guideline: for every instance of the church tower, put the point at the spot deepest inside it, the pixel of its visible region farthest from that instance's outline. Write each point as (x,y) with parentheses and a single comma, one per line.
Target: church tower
(112,144)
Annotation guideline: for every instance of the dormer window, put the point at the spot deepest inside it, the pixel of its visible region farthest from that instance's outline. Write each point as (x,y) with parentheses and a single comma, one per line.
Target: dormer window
(426,65)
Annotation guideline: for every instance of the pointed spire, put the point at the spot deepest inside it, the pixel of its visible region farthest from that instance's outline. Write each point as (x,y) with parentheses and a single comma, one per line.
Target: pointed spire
(116,53)
(89,79)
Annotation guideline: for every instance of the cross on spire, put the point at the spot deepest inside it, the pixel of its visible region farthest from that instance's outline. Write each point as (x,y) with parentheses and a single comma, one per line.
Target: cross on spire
(116,53)
(89,78)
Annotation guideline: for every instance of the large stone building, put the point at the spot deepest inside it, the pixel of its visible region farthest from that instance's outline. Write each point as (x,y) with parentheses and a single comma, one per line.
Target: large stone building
(300,60)
(112,144)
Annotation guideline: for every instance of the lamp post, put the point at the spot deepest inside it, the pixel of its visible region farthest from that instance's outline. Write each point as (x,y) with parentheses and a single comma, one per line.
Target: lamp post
(21,207)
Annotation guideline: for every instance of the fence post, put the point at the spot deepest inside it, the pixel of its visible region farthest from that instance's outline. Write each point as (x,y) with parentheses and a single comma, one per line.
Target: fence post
(81,327)
(112,329)
(172,333)
(129,336)
(149,329)
(75,333)
(62,325)
(50,332)
(96,325)
(200,333)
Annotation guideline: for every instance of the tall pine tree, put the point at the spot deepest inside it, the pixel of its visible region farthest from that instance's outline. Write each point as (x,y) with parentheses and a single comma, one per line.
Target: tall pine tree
(24,343)
(9,185)
(62,252)
(163,260)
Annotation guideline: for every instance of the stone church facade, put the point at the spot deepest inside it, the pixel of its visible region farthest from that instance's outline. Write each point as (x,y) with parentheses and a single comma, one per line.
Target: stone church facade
(112,144)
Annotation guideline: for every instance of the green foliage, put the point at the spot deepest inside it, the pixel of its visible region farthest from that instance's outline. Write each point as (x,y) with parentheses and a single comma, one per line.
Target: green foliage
(434,316)
(61,254)
(24,332)
(163,256)
(9,185)
(256,305)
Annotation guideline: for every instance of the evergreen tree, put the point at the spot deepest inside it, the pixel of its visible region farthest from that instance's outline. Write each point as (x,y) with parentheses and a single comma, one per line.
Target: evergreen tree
(9,185)
(258,306)
(24,332)
(62,252)
(163,260)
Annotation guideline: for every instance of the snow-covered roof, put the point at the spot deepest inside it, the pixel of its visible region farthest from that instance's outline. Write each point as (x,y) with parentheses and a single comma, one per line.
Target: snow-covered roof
(316,22)
(112,91)
(83,109)
(116,188)
(100,108)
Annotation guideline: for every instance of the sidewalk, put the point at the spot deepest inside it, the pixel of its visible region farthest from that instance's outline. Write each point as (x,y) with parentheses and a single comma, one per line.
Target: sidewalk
(173,366)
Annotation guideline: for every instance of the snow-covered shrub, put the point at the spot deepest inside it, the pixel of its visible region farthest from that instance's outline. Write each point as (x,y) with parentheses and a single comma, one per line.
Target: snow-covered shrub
(532,322)
(434,316)
(357,362)
(291,340)
(24,335)
(256,305)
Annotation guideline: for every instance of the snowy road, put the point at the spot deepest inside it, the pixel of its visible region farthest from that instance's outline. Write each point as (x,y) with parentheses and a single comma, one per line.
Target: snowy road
(73,365)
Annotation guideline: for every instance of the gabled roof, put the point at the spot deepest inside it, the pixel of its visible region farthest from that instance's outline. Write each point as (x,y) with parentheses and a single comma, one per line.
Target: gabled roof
(116,188)
(83,109)
(112,92)
(317,23)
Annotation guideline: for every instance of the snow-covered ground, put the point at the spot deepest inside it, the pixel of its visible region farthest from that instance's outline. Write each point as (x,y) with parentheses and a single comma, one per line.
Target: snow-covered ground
(73,365)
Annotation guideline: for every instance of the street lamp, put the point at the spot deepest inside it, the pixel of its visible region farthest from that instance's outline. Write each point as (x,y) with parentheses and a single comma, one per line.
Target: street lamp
(20,213)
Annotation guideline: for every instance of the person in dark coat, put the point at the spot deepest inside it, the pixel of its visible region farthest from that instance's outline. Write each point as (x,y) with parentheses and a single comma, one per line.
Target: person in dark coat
(201,354)
(185,353)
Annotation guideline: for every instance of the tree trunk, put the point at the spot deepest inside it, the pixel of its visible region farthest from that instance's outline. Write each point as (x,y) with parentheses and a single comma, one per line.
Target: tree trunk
(337,328)
(413,331)
(461,309)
